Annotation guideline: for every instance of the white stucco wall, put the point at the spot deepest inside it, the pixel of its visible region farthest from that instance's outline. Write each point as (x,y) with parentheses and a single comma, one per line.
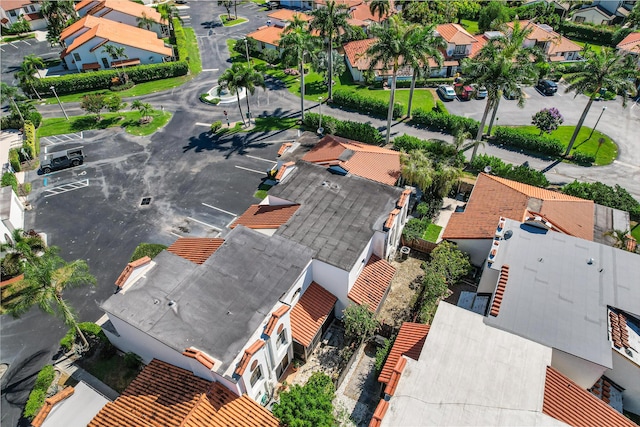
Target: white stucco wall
(358,266)
(626,374)
(16,212)
(581,371)
(334,280)
(117,16)
(592,16)
(355,73)
(451,50)
(87,57)
(477,249)
(36,24)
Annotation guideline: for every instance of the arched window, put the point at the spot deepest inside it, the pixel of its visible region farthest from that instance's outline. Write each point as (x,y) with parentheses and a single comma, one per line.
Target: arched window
(256,373)
(282,337)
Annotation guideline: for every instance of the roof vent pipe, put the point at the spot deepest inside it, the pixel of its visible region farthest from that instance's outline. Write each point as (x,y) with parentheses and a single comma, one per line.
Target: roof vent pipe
(590,261)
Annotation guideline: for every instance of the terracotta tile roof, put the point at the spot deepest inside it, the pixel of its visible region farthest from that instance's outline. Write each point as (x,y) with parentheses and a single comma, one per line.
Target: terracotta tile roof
(8,5)
(283,169)
(502,284)
(631,43)
(404,198)
(566,401)
(493,197)
(284,147)
(195,249)
(392,216)
(379,413)
(563,44)
(248,354)
(475,47)
(288,15)
(265,216)
(82,4)
(372,284)
(310,312)
(275,316)
(132,9)
(619,333)
(163,395)
(390,389)
(268,35)
(348,3)
(201,357)
(126,273)
(362,12)
(456,34)
(49,404)
(603,388)
(11,281)
(364,160)
(356,52)
(115,32)
(409,342)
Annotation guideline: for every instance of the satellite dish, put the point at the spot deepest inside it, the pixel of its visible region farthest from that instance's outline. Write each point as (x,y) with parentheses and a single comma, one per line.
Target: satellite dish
(487,169)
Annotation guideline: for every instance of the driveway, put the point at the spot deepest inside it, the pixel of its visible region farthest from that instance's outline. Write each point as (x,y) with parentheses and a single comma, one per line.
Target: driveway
(13,53)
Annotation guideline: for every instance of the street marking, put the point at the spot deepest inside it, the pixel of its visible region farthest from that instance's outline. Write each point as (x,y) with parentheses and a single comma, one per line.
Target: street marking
(629,165)
(177,235)
(260,158)
(1,49)
(218,209)
(250,170)
(203,124)
(24,41)
(230,222)
(211,69)
(66,187)
(204,223)
(11,44)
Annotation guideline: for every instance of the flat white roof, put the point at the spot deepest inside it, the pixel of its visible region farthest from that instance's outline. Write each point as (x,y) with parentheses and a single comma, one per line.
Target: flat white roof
(471,374)
(76,410)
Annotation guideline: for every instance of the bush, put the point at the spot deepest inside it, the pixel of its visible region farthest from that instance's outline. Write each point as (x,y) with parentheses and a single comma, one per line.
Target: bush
(438,150)
(132,361)
(29,142)
(382,353)
(204,97)
(271,56)
(613,197)
(9,180)
(362,132)
(147,249)
(215,126)
(14,159)
(584,159)
(422,83)
(444,122)
(308,405)
(364,104)
(514,137)
(89,329)
(39,392)
(520,173)
(120,88)
(414,229)
(599,34)
(11,121)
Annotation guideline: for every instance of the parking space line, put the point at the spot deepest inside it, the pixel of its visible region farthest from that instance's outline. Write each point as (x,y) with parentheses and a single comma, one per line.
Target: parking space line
(66,188)
(250,170)
(177,235)
(218,209)
(204,223)
(11,44)
(260,158)
(1,49)
(230,222)
(203,124)
(24,41)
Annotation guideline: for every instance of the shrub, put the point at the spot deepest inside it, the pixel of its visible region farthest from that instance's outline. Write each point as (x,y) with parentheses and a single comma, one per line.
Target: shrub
(147,249)
(120,88)
(362,132)
(421,83)
(599,34)
(204,97)
(444,122)
(215,126)
(29,142)
(308,405)
(521,173)
(45,377)
(614,197)
(39,392)
(382,353)
(14,159)
(132,361)
(547,120)
(9,180)
(271,56)
(414,229)
(584,159)
(365,104)
(515,137)
(89,329)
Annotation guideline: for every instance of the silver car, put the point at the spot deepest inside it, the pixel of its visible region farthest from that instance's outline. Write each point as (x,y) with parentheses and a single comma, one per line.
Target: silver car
(447,92)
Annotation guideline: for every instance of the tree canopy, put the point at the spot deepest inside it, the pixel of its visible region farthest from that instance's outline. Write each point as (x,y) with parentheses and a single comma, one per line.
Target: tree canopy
(309,405)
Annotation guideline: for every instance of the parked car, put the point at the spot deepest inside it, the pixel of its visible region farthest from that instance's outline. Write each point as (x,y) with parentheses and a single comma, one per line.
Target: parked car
(464,92)
(447,92)
(61,160)
(547,87)
(512,95)
(480,92)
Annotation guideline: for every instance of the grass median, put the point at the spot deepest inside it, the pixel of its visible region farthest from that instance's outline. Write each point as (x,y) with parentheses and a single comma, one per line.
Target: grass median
(130,121)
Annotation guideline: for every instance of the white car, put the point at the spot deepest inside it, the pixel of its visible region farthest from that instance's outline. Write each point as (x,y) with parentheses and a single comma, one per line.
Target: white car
(481,92)
(447,92)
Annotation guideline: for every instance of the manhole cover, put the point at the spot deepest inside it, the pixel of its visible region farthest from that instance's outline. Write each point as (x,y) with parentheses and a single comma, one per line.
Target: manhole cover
(145,201)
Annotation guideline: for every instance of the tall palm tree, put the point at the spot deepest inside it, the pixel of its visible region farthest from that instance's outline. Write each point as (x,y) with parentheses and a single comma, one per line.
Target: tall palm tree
(20,249)
(329,21)
(168,12)
(424,44)
(604,69)
(380,8)
(417,168)
(501,66)
(231,80)
(251,79)
(145,22)
(45,279)
(28,69)
(57,13)
(9,93)
(392,44)
(296,43)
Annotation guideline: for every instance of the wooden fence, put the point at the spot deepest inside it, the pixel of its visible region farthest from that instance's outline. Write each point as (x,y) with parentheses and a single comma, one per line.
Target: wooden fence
(420,245)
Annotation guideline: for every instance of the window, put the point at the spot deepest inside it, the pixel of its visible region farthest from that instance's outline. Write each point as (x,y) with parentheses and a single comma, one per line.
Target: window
(579,19)
(13,13)
(256,375)
(33,8)
(460,49)
(76,56)
(282,338)
(105,63)
(26,9)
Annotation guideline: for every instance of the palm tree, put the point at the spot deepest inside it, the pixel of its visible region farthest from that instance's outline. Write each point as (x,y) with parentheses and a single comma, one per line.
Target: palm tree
(424,44)
(168,12)
(145,22)
(251,79)
(604,69)
(501,66)
(379,7)
(9,93)
(295,43)
(45,279)
(393,43)
(57,13)
(23,247)
(116,52)
(417,168)
(28,70)
(144,108)
(230,80)
(329,21)
(621,239)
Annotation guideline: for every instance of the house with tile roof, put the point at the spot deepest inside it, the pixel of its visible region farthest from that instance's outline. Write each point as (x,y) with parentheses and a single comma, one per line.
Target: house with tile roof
(576,296)
(358,63)
(469,373)
(493,197)
(163,395)
(124,12)
(221,309)
(85,40)
(555,46)
(604,12)
(11,11)
(268,36)
(630,45)
(71,407)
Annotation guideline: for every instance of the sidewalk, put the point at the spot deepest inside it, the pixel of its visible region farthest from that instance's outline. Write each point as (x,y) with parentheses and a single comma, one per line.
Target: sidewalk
(67,365)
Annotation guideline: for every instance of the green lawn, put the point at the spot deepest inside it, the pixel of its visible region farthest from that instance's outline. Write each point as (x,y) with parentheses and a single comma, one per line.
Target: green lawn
(231,22)
(635,231)
(272,123)
(470,26)
(592,45)
(112,371)
(128,120)
(195,63)
(431,233)
(605,153)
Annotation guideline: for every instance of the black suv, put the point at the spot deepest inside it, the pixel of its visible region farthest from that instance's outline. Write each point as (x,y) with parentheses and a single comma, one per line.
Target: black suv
(61,160)
(547,87)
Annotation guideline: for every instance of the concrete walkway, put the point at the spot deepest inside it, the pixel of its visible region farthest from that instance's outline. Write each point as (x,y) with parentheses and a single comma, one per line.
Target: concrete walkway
(67,365)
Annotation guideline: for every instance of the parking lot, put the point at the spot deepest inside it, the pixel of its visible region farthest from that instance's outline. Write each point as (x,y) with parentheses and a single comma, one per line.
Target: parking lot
(13,53)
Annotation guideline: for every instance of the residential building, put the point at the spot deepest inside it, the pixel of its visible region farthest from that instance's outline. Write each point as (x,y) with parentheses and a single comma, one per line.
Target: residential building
(469,373)
(268,36)
(71,407)
(359,64)
(86,39)
(630,45)
(561,7)
(168,396)
(578,297)
(493,197)
(604,12)
(408,343)
(11,11)
(125,12)
(11,213)
(556,47)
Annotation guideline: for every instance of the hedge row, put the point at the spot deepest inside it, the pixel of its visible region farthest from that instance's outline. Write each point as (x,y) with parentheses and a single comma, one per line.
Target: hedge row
(515,137)
(29,143)
(9,180)
(39,392)
(14,159)
(601,35)
(82,82)
(439,150)
(364,104)
(614,197)
(405,84)
(444,122)
(362,132)
(180,40)
(521,173)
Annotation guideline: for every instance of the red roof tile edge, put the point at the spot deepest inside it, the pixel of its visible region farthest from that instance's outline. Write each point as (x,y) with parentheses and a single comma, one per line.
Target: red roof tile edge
(126,273)
(409,342)
(390,389)
(275,316)
(49,404)
(378,415)
(248,353)
(201,357)
(502,284)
